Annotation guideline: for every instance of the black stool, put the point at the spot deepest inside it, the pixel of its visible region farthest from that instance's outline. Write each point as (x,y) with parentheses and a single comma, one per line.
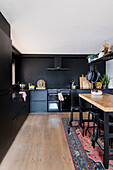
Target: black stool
(101,127)
(73,108)
(71,117)
(82,123)
(95,117)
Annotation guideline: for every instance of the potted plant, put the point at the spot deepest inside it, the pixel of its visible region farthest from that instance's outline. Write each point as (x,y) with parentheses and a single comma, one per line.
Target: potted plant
(105,81)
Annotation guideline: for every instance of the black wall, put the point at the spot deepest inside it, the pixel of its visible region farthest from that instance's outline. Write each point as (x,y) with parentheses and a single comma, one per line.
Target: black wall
(34,68)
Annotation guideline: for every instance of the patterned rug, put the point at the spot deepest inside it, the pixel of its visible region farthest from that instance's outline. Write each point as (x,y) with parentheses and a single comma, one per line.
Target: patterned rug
(84,156)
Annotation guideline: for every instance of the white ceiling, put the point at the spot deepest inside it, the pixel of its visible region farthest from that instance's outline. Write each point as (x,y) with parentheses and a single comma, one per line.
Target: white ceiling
(59,26)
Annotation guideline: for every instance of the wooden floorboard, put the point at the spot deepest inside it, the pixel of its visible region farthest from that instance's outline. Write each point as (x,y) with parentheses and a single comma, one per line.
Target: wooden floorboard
(40,145)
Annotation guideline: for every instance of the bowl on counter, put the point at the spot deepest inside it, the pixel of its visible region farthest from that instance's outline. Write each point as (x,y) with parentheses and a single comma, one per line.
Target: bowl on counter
(96,92)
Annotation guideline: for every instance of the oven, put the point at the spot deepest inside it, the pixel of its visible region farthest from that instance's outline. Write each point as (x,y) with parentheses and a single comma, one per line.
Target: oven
(54,105)
(53,102)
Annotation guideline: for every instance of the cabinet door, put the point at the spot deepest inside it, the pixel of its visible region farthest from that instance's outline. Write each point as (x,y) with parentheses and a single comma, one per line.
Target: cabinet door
(38,106)
(5,124)
(8,125)
(109,91)
(5,61)
(38,95)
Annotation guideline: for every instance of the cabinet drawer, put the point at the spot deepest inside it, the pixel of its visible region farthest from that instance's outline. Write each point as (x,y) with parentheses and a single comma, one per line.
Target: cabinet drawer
(38,106)
(38,95)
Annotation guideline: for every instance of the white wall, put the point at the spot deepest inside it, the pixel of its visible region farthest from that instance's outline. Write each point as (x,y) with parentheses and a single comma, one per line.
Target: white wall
(109,71)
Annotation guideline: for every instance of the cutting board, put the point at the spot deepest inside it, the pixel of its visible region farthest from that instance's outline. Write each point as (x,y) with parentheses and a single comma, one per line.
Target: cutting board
(81,81)
(84,83)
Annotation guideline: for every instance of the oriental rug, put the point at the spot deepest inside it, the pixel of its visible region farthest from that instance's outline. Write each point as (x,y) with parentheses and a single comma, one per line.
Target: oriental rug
(84,156)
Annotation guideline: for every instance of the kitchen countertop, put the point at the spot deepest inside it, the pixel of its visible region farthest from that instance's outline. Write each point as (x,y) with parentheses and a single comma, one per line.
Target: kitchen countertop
(103,102)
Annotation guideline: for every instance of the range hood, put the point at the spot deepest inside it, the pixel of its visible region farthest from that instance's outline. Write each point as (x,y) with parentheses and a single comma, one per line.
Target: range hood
(57,65)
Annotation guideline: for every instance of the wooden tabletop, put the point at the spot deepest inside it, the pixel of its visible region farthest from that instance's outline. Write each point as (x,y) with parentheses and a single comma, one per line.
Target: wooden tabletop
(103,102)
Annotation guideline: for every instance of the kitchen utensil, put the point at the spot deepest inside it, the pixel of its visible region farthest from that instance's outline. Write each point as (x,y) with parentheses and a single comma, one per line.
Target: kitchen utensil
(89,75)
(22,86)
(93,75)
(81,81)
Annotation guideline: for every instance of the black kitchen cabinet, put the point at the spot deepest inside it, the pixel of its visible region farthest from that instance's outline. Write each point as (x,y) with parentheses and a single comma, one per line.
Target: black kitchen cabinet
(13,113)
(38,101)
(4,25)
(5,61)
(20,110)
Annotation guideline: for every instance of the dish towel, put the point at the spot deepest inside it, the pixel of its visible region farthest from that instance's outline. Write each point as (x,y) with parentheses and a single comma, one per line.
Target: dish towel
(60,96)
(24,95)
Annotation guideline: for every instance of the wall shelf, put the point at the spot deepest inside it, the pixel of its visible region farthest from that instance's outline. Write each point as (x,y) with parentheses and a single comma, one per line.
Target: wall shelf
(105,57)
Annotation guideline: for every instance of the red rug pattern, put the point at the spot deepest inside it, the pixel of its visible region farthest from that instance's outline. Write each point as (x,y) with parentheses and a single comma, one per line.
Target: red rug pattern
(93,157)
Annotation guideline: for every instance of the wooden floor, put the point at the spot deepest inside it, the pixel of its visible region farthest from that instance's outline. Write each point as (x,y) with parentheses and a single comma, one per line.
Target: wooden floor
(40,145)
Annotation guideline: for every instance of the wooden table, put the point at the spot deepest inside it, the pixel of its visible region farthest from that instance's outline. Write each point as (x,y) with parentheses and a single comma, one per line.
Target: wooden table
(105,103)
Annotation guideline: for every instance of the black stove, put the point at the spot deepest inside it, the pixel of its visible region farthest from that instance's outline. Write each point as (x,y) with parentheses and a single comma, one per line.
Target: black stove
(59,90)
(54,105)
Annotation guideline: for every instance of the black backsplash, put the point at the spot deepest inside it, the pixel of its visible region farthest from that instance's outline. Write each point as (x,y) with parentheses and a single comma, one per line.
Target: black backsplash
(32,69)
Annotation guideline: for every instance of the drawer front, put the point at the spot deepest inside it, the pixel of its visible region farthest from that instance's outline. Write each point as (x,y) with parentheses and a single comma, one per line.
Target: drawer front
(38,95)
(38,106)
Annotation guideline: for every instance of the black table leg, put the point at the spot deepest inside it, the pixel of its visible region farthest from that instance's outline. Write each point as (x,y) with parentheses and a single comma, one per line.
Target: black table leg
(71,117)
(71,120)
(81,122)
(106,140)
(80,112)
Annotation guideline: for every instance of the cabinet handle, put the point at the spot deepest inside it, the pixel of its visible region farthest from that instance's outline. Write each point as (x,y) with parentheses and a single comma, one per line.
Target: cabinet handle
(52,94)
